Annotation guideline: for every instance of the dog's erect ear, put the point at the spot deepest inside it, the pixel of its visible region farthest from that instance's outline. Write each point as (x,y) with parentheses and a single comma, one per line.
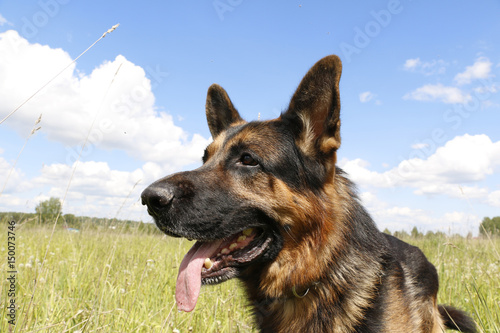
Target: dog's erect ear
(314,110)
(221,112)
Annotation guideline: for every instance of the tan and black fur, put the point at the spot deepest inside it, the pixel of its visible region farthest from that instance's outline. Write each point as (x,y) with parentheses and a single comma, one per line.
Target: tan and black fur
(322,265)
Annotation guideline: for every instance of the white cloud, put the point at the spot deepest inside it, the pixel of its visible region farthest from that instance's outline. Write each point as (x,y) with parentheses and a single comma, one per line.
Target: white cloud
(96,189)
(358,171)
(11,203)
(494,199)
(465,158)
(426,68)
(411,64)
(438,92)
(493,88)
(9,177)
(127,116)
(127,120)
(3,21)
(461,161)
(393,217)
(91,178)
(397,218)
(366,96)
(452,190)
(481,69)
(420,145)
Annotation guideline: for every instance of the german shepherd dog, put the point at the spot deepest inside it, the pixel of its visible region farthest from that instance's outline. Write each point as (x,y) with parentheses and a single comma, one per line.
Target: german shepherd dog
(270,207)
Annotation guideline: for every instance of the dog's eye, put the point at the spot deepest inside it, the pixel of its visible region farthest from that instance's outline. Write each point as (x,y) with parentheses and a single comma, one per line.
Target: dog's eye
(247,159)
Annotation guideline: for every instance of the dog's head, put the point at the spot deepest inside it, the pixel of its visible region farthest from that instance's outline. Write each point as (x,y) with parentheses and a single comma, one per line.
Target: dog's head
(256,192)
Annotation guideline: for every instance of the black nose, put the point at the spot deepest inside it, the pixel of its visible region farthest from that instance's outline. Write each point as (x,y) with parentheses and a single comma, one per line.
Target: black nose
(157,198)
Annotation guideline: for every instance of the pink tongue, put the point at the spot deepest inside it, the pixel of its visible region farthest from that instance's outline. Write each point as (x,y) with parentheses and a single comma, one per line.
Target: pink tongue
(188,285)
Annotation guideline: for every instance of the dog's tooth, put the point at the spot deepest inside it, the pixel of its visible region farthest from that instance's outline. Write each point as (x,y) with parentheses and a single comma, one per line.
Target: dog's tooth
(241,238)
(225,251)
(248,232)
(208,263)
(233,246)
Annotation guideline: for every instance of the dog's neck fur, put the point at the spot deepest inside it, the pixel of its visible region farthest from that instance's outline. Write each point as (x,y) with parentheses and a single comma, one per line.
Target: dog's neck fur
(353,297)
(351,279)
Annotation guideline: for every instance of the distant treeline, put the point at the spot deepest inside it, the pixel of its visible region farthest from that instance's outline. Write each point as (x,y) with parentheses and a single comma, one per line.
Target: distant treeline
(402,234)
(77,223)
(489,226)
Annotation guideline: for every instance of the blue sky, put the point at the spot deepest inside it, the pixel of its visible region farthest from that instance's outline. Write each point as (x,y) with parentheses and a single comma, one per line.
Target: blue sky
(419,93)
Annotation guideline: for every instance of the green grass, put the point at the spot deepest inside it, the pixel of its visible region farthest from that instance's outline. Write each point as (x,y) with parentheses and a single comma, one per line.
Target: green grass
(103,280)
(469,276)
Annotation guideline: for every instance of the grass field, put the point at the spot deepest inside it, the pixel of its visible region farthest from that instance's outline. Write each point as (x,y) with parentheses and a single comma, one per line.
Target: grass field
(111,280)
